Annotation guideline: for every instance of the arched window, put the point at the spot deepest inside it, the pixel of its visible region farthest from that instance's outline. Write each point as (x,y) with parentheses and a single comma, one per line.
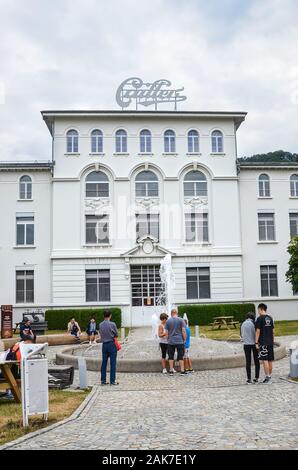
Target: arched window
(145,141)
(195,184)
(294,185)
(25,187)
(217,142)
(97,184)
(264,185)
(121,141)
(193,141)
(169,141)
(146,184)
(96,141)
(72,141)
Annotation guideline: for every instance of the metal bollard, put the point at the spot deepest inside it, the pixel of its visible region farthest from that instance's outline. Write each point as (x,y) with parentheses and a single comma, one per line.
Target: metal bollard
(122,334)
(197,331)
(82,373)
(293,363)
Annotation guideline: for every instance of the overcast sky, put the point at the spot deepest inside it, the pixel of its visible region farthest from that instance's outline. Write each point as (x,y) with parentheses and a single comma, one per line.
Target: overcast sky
(228,54)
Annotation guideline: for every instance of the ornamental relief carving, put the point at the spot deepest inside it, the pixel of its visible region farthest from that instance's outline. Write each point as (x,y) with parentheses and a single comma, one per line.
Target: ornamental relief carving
(96,204)
(196,201)
(147,202)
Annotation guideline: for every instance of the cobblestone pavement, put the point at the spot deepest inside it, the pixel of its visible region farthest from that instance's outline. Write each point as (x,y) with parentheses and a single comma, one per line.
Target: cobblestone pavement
(205,410)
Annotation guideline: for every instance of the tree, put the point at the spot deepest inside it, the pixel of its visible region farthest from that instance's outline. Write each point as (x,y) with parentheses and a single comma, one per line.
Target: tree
(292,273)
(271,157)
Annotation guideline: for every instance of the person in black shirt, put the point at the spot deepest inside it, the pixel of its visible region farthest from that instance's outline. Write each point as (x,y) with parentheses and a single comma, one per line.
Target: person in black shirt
(26,330)
(265,340)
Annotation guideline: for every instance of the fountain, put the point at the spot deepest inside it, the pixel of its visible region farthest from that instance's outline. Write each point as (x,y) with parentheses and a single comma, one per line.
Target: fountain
(140,351)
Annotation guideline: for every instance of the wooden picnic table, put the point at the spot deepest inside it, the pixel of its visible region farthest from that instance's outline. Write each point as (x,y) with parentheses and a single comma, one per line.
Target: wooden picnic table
(226,321)
(9,380)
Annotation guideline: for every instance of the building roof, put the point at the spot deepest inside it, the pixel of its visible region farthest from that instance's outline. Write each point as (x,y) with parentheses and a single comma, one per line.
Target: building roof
(258,165)
(33,165)
(50,115)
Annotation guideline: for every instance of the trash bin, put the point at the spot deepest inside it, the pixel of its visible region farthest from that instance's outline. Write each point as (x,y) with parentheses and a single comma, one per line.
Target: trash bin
(294,363)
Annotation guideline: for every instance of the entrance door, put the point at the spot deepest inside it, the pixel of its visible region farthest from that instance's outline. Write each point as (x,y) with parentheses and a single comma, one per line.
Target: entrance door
(145,290)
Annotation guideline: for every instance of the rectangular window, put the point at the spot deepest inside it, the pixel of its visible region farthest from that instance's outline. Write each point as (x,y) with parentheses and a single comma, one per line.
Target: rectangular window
(97,229)
(146,288)
(24,287)
(266,227)
(269,286)
(98,285)
(25,230)
(294,224)
(198,283)
(147,224)
(196,227)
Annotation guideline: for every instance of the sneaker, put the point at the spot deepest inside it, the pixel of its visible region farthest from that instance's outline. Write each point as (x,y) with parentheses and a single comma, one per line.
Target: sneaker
(249,381)
(190,370)
(171,373)
(114,383)
(164,371)
(104,383)
(255,381)
(267,380)
(184,373)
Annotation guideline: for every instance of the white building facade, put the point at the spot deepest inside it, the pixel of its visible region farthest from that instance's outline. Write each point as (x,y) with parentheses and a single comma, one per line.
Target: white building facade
(125,188)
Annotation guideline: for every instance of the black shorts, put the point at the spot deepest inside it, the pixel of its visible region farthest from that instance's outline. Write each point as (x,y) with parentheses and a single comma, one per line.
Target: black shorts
(180,351)
(164,350)
(90,333)
(266,353)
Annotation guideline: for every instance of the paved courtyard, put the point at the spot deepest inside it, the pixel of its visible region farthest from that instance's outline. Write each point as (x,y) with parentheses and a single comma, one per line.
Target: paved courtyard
(205,410)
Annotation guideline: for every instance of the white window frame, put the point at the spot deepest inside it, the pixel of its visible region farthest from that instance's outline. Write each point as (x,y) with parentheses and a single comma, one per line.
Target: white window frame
(294,185)
(268,280)
(198,227)
(25,220)
(216,138)
(293,216)
(96,141)
(98,182)
(101,220)
(97,277)
(121,141)
(193,141)
(25,276)
(72,141)
(169,141)
(145,141)
(267,226)
(147,184)
(25,184)
(264,186)
(195,184)
(198,275)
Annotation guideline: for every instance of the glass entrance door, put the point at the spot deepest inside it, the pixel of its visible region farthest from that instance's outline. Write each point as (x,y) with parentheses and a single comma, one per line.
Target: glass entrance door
(145,289)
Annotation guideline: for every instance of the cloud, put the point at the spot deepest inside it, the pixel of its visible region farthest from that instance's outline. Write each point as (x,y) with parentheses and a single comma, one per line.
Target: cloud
(229,55)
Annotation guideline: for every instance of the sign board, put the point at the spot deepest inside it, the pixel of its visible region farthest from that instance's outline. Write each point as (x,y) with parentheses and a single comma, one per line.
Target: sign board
(34,378)
(147,94)
(6,321)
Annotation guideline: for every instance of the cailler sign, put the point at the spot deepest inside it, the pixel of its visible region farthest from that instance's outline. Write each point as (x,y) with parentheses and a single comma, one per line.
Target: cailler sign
(147,94)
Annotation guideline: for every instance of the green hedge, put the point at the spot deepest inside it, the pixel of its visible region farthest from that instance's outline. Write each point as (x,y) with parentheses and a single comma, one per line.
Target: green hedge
(58,319)
(203,314)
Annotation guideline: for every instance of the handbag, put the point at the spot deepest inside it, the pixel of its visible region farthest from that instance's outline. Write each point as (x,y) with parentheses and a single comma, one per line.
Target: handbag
(117,344)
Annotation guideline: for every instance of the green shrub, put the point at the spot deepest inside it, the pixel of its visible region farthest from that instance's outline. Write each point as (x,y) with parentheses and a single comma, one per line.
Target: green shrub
(58,319)
(203,314)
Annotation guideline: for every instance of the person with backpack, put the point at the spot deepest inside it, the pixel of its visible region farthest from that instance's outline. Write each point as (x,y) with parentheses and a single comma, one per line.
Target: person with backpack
(74,329)
(176,334)
(248,336)
(265,341)
(14,354)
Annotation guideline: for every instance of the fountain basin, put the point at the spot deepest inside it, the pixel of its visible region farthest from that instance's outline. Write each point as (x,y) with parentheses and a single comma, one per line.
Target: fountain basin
(136,364)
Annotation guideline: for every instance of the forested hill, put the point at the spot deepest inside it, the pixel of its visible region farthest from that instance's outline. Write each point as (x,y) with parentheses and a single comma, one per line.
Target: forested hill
(277,156)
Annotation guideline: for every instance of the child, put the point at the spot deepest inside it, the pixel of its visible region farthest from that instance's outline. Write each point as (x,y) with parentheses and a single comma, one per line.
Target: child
(163,342)
(92,331)
(187,360)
